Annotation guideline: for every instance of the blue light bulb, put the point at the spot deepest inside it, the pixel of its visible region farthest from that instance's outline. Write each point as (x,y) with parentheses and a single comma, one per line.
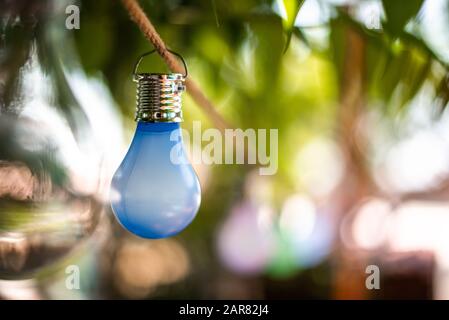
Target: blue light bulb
(156,192)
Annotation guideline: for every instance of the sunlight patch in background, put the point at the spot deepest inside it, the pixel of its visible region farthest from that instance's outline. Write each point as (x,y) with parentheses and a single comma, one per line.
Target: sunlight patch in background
(107,132)
(319,166)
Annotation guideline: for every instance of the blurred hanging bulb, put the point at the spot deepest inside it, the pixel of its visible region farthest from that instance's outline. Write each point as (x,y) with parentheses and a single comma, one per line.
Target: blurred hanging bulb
(155,192)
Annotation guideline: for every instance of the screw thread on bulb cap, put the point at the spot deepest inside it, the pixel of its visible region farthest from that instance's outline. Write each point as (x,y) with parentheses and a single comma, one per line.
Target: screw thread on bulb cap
(159,97)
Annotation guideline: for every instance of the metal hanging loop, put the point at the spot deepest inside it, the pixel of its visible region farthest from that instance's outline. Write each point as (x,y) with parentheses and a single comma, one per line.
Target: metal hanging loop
(136,66)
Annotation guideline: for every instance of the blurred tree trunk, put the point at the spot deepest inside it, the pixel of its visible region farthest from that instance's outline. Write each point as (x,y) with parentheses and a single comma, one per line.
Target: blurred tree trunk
(349,283)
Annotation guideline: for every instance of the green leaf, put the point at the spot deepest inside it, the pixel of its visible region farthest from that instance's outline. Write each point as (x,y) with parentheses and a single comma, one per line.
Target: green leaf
(301,36)
(292,8)
(398,13)
(442,94)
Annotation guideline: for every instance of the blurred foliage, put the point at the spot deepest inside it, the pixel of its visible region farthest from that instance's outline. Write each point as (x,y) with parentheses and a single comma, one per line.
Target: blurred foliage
(236,50)
(259,68)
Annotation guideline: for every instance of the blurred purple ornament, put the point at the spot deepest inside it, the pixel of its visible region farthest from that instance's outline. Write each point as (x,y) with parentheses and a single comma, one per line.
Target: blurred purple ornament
(246,241)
